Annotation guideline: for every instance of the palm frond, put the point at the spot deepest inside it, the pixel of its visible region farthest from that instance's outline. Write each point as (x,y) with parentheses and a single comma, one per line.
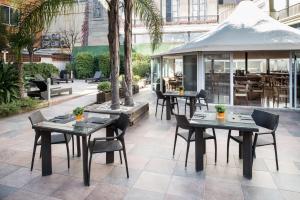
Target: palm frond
(149,14)
(37,14)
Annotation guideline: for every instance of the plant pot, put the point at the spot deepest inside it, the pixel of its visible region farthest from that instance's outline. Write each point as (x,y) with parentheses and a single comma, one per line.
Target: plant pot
(220,115)
(79,118)
(103,97)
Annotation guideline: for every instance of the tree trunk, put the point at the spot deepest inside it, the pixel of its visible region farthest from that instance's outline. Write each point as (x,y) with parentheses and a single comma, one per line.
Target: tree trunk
(114,46)
(30,54)
(20,74)
(127,49)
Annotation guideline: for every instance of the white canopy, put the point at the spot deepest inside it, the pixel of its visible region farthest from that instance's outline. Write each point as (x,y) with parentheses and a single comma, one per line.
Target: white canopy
(247,29)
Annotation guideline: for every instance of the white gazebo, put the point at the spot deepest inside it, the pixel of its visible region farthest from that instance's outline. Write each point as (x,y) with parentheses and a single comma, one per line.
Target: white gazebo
(248,33)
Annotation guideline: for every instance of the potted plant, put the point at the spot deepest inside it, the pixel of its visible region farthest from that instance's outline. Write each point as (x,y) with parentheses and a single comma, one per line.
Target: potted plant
(104,94)
(78,112)
(220,111)
(181,90)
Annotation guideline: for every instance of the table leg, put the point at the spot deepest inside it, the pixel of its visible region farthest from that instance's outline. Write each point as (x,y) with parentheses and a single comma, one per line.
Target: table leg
(85,161)
(199,149)
(109,155)
(168,108)
(192,106)
(240,148)
(46,154)
(247,155)
(78,146)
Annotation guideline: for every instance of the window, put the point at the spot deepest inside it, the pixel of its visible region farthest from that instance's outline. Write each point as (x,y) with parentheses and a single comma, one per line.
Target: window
(8,15)
(198,8)
(175,9)
(97,9)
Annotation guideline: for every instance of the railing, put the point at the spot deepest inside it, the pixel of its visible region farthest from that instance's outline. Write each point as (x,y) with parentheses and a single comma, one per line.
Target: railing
(208,19)
(287,12)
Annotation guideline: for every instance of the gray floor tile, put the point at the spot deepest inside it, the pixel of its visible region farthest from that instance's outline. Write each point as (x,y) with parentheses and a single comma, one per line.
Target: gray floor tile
(19,177)
(6,191)
(260,193)
(153,182)
(137,194)
(287,182)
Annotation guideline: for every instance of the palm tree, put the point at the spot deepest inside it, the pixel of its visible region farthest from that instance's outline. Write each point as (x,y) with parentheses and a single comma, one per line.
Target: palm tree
(149,14)
(34,15)
(114,47)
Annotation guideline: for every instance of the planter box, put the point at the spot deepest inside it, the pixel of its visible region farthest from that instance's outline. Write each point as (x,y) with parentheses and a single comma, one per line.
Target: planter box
(135,89)
(103,97)
(135,113)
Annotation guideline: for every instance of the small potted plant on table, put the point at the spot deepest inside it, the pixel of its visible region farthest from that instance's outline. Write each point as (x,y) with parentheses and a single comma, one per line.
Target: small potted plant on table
(220,111)
(104,94)
(78,112)
(181,90)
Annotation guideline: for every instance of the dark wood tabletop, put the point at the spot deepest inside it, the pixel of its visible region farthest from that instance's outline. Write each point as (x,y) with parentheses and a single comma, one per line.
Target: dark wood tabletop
(232,121)
(185,94)
(84,128)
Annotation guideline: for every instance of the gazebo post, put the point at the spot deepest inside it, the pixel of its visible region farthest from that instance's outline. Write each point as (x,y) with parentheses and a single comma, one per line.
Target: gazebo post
(291,79)
(161,71)
(231,99)
(246,62)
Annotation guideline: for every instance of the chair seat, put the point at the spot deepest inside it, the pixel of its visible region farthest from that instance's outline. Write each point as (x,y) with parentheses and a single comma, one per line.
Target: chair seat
(200,104)
(106,146)
(261,140)
(185,135)
(57,138)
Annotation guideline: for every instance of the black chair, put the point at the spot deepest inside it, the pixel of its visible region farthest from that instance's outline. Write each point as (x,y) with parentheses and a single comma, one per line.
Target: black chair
(160,96)
(265,120)
(201,100)
(189,135)
(111,144)
(96,78)
(56,138)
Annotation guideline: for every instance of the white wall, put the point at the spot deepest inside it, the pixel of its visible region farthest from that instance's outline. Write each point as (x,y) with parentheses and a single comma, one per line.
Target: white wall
(61,65)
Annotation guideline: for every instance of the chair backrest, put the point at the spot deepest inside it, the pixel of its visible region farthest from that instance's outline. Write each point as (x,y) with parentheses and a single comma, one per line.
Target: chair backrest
(97,75)
(159,94)
(122,123)
(202,94)
(36,117)
(42,85)
(182,121)
(265,119)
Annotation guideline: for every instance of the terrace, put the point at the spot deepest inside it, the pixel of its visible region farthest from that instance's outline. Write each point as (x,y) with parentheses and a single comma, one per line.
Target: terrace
(154,172)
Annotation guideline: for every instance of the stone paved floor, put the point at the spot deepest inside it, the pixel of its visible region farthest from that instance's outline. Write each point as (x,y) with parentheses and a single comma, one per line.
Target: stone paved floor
(154,172)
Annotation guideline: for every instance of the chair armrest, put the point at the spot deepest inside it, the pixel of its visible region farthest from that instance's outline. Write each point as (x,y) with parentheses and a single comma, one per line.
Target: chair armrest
(264,133)
(105,138)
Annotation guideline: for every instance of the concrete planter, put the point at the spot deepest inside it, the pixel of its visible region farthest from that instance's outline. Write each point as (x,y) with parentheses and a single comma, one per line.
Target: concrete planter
(103,97)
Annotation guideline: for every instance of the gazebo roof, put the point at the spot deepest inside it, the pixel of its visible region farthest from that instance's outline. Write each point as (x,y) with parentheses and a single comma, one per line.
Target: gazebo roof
(248,28)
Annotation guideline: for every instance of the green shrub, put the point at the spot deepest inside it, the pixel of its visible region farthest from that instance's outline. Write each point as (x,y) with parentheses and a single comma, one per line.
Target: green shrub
(8,83)
(70,67)
(104,65)
(44,69)
(104,86)
(18,106)
(136,78)
(84,65)
(141,65)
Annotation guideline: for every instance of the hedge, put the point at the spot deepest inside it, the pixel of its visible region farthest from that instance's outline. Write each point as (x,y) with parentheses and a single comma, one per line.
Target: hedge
(18,106)
(84,63)
(44,69)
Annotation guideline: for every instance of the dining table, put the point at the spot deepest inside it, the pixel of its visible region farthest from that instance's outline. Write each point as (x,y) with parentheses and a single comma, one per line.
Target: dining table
(241,122)
(82,129)
(192,95)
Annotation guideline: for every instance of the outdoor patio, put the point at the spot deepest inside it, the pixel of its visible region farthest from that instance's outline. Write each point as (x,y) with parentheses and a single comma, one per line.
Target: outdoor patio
(154,172)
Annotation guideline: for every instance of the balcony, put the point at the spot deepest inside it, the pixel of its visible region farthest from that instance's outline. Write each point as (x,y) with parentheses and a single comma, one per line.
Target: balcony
(287,12)
(208,19)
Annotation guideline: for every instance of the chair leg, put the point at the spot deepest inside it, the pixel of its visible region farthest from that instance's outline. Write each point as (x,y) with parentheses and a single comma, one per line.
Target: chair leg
(90,164)
(275,149)
(68,152)
(162,109)
(187,153)
(126,164)
(175,140)
(41,152)
(254,147)
(185,106)
(156,107)
(216,147)
(120,157)
(228,140)
(34,150)
(73,146)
